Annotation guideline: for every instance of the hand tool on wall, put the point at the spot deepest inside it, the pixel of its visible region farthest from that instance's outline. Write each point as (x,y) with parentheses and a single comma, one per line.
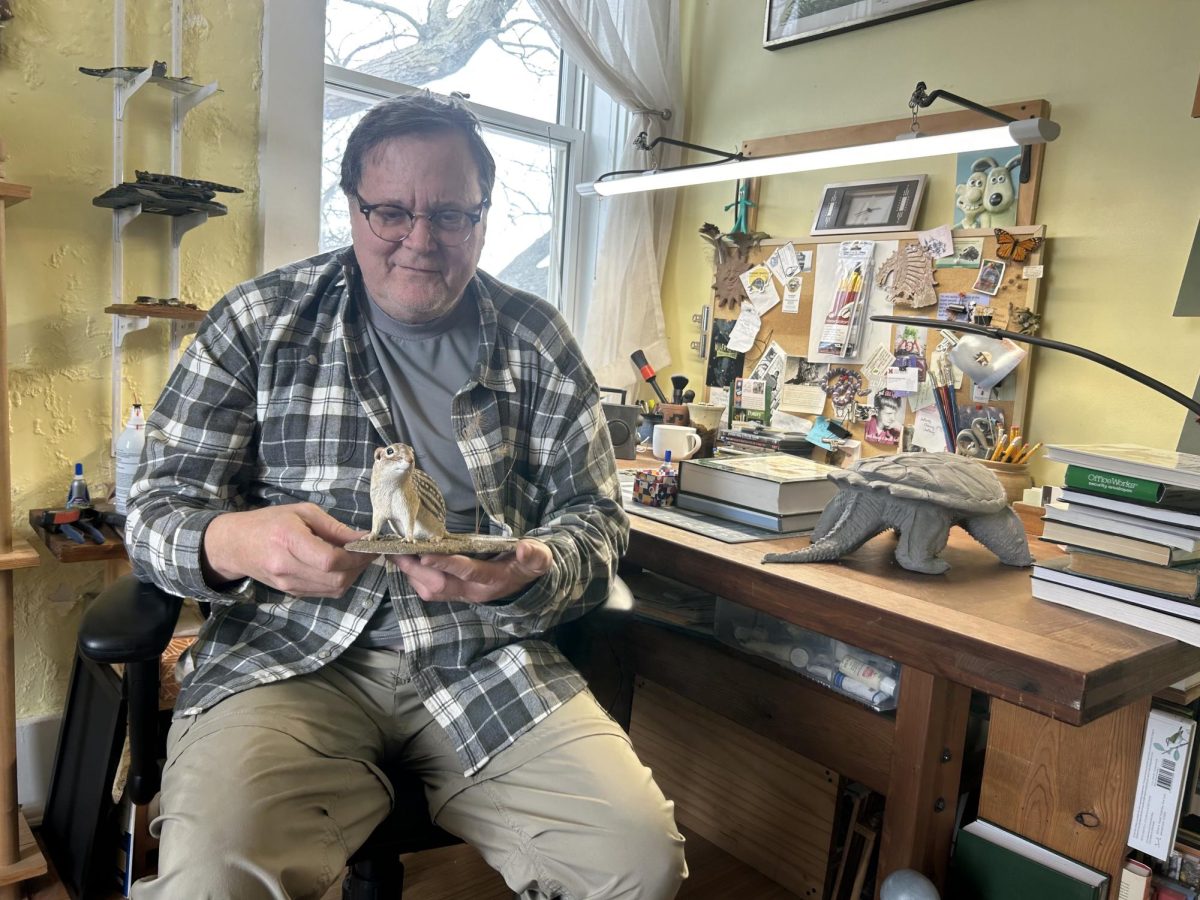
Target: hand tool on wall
(72,524)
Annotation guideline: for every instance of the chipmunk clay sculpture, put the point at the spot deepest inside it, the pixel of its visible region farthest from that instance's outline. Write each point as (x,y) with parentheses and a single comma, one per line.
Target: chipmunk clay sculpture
(404,497)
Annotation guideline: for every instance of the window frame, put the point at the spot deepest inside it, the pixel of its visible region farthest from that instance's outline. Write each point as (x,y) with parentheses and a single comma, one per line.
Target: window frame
(290,158)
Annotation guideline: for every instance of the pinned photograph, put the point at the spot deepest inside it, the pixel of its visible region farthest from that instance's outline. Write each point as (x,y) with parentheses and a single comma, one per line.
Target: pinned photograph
(886,421)
(798,370)
(991,274)
(967,254)
(910,352)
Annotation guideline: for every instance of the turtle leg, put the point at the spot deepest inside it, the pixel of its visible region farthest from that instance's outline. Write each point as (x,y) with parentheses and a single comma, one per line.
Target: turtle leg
(922,538)
(848,522)
(1002,533)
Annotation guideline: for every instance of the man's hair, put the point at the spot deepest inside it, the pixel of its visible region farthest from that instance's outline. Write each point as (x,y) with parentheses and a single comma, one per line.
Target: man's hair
(422,113)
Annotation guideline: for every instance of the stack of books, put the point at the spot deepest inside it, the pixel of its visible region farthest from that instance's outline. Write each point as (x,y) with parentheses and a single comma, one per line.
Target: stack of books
(763,440)
(778,492)
(1130,517)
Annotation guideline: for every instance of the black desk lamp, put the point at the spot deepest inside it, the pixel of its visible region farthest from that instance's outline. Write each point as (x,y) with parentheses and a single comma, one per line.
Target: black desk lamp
(999,333)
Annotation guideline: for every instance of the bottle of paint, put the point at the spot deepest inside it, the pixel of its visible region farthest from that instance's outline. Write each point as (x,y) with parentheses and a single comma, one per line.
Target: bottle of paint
(78,495)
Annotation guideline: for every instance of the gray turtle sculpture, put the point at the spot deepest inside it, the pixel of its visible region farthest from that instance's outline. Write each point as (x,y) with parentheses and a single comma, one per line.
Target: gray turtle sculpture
(919,495)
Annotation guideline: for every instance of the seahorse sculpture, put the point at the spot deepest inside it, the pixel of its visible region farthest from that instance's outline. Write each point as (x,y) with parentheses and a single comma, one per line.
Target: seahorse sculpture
(911,273)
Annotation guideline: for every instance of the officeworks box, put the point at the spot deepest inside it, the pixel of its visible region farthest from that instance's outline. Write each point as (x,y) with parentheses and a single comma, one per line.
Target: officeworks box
(850,671)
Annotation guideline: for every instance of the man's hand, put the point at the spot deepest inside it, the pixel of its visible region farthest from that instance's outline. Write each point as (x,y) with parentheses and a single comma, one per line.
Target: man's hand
(441,577)
(295,548)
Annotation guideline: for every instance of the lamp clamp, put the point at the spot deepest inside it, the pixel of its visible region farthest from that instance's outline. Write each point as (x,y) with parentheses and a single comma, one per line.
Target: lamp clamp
(922,98)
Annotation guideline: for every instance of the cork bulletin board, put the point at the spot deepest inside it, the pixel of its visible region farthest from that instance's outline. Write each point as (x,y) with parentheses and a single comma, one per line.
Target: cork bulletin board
(955,286)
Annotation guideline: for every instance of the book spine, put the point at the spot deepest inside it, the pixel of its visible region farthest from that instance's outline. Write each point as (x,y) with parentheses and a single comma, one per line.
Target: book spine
(1109,485)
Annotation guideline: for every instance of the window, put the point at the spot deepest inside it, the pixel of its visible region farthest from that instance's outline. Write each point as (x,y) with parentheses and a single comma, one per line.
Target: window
(496,53)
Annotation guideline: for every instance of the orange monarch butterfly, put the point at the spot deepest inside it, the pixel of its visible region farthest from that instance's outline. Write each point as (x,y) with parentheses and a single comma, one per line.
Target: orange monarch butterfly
(1009,246)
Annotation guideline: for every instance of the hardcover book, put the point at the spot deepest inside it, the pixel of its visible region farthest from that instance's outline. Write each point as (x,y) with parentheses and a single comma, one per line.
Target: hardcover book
(1057,570)
(778,483)
(1151,494)
(1159,798)
(1146,551)
(1177,536)
(1151,511)
(991,863)
(1132,460)
(1178,581)
(1107,607)
(733,513)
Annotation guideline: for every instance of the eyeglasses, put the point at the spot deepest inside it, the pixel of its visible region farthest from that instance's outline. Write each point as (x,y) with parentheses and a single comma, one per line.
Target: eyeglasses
(392,223)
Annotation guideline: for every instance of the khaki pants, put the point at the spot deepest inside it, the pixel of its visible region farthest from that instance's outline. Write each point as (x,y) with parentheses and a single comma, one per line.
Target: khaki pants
(266,794)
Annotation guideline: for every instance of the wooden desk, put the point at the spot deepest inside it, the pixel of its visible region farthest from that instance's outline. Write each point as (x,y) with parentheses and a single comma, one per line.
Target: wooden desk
(1070,691)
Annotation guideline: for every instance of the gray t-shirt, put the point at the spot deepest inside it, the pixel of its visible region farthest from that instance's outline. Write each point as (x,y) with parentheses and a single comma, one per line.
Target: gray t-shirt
(425,366)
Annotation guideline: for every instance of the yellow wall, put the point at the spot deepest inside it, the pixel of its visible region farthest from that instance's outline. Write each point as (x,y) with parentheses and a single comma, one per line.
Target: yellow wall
(1120,196)
(56,124)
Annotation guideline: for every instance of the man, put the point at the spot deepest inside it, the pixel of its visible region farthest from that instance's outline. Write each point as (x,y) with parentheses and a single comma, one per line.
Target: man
(318,663)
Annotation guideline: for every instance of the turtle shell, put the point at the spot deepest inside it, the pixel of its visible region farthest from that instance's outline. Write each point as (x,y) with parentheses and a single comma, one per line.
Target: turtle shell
(942,478)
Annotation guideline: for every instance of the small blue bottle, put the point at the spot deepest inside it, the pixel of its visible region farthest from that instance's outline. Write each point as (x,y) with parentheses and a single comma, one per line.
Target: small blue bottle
(78,495)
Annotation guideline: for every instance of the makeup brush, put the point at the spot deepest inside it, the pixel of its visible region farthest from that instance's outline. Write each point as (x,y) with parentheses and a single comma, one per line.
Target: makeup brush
(678,383)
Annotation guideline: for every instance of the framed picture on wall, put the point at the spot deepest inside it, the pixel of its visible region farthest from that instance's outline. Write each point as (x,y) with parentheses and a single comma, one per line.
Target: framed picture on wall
(859,207)
(795,21)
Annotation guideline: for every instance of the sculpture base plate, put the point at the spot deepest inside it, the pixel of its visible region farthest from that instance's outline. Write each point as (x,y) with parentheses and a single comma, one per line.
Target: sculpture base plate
(464,544)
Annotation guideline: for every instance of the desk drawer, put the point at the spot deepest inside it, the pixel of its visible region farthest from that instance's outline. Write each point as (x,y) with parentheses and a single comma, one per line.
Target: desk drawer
(852,672)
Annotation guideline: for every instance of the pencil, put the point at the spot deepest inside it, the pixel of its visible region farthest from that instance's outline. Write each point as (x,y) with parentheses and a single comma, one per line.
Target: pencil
(1024,457)
(999,449)
(1015,448)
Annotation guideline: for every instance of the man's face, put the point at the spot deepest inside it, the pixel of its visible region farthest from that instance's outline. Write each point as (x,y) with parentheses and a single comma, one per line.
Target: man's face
(418,279)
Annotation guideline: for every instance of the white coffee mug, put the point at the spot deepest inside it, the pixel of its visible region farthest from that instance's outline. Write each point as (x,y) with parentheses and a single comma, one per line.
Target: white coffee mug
(682,441)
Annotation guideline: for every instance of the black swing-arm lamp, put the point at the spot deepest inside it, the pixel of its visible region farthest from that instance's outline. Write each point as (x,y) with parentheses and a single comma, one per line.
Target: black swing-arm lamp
(999,333)
(642,143)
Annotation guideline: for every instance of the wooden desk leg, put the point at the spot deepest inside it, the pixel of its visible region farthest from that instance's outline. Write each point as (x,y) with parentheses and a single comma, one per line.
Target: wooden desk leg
(1039,774)
(918,820)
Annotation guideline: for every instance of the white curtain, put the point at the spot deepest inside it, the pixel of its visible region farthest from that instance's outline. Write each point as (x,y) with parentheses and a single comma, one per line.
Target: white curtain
(630,48)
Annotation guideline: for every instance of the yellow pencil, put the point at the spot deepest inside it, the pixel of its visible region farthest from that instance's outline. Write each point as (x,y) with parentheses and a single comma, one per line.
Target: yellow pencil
(1000,445)
(1024,458)
(1015,447)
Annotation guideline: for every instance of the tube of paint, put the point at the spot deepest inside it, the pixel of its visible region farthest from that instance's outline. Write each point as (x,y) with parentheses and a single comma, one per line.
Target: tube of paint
(867,674)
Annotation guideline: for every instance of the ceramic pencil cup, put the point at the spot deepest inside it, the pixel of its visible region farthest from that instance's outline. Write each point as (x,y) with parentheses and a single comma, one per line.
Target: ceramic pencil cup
(1014,478)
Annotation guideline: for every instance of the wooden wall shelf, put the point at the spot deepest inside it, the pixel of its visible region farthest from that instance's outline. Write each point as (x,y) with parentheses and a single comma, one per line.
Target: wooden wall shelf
(12,193)
(67,551)
(179,313)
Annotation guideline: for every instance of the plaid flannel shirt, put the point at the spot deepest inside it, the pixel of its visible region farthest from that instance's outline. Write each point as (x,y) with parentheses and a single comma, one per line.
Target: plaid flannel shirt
(280,399)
